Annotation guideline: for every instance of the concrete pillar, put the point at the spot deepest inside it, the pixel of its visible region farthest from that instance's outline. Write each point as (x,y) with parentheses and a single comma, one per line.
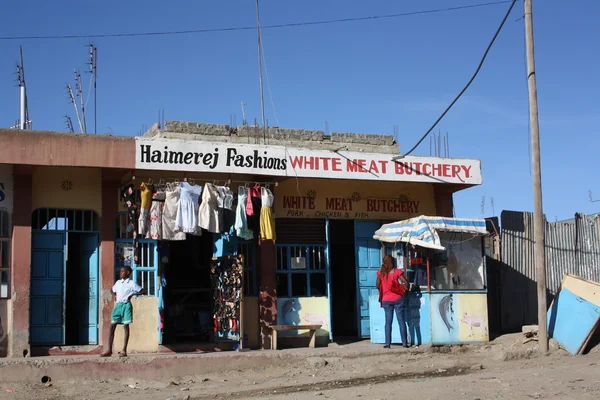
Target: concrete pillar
(110,190)
(267,292)
(18,341)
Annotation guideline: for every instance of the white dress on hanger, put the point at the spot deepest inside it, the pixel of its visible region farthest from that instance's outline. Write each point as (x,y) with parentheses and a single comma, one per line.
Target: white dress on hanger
(187,209)
(241,219)
(169,214)
(208,212)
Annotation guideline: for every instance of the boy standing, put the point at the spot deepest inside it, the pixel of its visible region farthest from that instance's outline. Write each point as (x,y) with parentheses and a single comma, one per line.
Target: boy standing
(124,289)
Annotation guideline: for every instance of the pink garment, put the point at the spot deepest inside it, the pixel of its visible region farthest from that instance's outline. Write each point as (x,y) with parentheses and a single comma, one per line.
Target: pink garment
(252,192)
(385,285)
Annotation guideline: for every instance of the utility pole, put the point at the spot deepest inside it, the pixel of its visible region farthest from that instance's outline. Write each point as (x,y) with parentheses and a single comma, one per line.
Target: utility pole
(538,214)
(260,73)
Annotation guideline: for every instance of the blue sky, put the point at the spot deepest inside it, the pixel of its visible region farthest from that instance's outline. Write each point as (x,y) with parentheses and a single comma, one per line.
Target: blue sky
(359,76)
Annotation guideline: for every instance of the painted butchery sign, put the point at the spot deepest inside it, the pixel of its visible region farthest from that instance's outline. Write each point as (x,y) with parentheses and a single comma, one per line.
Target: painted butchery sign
(199,156)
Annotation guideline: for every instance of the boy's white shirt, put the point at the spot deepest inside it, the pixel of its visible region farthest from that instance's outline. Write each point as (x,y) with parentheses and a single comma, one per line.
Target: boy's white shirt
(124,288)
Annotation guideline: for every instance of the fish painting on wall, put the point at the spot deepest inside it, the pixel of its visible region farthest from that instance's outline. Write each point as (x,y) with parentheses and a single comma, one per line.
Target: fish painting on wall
(446,311)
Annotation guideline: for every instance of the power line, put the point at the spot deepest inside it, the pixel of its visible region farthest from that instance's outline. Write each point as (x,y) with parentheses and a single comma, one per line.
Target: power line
(465,88)
(246,28)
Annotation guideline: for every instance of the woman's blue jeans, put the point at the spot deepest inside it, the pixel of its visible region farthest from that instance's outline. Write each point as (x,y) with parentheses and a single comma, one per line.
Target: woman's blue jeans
(389,307)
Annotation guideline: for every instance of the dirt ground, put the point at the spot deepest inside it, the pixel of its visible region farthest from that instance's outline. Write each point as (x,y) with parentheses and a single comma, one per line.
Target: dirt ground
(505,369)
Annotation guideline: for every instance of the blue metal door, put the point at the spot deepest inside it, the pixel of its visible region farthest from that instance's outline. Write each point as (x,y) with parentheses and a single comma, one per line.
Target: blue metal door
(88,289)
(368,261)
(48,265)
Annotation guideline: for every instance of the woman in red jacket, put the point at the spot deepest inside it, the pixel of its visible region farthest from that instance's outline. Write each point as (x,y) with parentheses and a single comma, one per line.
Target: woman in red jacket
(391,300)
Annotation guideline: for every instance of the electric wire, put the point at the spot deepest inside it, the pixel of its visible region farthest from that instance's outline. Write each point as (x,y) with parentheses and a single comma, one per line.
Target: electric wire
(465,88)
(246,28)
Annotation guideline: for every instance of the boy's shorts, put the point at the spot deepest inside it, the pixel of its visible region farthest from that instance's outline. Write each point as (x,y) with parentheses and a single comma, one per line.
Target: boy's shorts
(122,314)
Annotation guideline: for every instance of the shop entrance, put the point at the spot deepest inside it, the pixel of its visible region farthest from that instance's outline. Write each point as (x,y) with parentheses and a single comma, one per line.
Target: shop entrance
(64,277)
(343,280)
(187,295)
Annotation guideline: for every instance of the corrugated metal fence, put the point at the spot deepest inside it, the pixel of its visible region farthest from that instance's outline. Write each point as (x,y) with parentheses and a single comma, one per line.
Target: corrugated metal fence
(572,247)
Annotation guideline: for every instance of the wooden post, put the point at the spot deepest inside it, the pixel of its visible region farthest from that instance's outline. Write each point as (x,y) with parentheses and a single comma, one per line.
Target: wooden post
(538,214)
(428,276)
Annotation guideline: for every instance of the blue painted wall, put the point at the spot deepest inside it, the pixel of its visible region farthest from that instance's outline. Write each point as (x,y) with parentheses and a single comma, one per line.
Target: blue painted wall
(417,317)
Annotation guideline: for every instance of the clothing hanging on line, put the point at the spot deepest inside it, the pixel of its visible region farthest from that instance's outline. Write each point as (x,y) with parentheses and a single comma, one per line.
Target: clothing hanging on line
(154,230)
(128,196)
(146,197)
(208,212)
(187,209)
(169,214)
(225,197)
(254,204)
(267,221)
(241,220)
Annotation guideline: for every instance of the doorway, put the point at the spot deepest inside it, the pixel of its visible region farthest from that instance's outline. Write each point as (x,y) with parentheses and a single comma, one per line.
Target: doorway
(64,277)
(343,280)
(187,295)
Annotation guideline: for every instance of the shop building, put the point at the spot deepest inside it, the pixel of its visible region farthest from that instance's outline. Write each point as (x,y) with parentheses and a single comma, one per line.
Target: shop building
(64,232)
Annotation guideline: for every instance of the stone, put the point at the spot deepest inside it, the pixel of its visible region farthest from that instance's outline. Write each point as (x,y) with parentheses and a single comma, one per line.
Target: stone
(553,345)
(476,367)
(316,362)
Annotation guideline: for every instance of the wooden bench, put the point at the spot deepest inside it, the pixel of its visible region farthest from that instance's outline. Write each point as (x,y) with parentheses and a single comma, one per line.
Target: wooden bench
(311,328)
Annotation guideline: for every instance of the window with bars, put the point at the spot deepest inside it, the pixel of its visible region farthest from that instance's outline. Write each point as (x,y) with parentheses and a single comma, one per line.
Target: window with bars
(145,271)
(301,271)
(4,254)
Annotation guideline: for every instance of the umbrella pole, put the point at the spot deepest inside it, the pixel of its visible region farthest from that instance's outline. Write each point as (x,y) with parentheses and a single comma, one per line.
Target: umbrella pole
(428,276)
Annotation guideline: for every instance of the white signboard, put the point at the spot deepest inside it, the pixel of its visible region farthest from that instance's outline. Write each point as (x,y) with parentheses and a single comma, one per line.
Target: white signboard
(200,156)
(6,187)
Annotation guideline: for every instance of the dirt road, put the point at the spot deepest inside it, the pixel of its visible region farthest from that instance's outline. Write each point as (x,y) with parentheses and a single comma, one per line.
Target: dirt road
(484,372)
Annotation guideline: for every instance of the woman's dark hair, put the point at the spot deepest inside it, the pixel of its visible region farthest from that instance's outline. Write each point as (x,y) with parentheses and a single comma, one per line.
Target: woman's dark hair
(387,266)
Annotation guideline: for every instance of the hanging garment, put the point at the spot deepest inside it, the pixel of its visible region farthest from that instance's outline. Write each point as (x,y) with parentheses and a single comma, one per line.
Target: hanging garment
(227,216)
(241,220)
(253,206)
(146,196)
(267,222)
(128,196)
(252,192)
(208,213)
(187,209)
(225,197)
(169,214)
(154,222)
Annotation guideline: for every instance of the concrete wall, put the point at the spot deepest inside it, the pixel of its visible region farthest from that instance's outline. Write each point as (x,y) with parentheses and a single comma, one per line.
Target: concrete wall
(304,138)
(51,188)
(66,149)
(143,332)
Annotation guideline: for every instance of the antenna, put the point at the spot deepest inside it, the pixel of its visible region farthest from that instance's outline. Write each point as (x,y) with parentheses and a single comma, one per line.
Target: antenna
(262,96)
(72,98)
(492,205)
(24,121)
(69,123)
(592,198)
(79,93)
(482,206)
(94,71)
(244,121)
